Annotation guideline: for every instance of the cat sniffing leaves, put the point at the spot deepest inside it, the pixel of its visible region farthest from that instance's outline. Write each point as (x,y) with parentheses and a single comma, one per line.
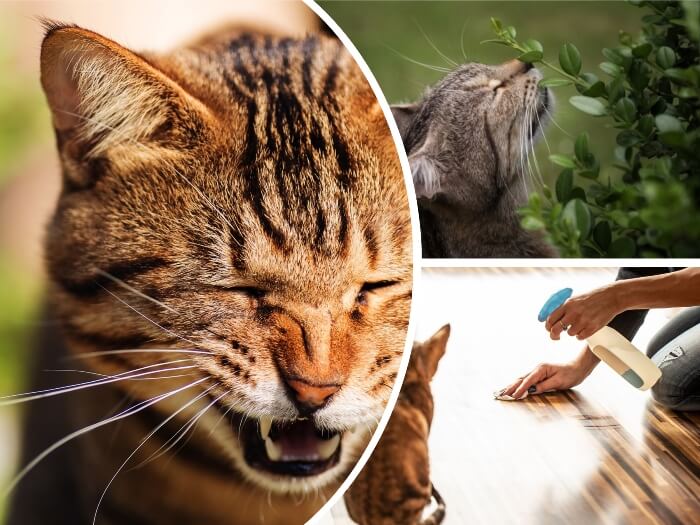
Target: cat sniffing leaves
(468,141)
(230,267)
(394,486)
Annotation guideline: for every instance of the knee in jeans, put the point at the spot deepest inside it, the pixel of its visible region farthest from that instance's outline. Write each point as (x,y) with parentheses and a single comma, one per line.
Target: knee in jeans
(666,395)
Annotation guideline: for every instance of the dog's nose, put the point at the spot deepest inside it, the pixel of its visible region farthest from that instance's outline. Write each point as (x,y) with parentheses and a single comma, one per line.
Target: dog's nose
(309,397)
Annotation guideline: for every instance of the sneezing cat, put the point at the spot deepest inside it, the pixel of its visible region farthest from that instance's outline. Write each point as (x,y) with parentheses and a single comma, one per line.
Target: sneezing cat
(230,268)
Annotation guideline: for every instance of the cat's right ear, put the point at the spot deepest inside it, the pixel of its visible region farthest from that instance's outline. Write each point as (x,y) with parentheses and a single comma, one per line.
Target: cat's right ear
(105,99)
(434,348)
(403,115)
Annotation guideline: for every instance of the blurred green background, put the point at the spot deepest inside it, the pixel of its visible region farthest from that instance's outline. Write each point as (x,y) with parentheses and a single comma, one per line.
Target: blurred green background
(382,31)
(23,126)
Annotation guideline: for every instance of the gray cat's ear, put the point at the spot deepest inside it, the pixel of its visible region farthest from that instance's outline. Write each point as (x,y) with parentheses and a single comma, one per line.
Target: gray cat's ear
(424,167)
(434,348)
(403,115)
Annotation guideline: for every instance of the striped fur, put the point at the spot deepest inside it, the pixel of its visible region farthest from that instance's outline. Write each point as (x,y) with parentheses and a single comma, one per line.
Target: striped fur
(394,486)
(242,197)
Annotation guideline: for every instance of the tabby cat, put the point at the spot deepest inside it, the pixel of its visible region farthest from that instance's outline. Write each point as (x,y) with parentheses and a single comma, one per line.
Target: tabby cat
(394,487)
(468,141)
(230,258)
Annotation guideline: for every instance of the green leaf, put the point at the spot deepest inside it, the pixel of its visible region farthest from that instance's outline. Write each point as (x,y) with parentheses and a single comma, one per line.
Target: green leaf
(666,123)
(622,247)
(588,105)
(496,24)
(554,82)
(578,214)
(496,41)
(679,76)
(665,57)
(533,45)
(616,90)
(581,147)
(531,56)
(639,74)
(602,234)
(611,69)
(626,110)
(532,223)
(642,51)
(596,90)
(628,137)
(564,185)
(511,32)
(613,56)
(562,160)
(570,59)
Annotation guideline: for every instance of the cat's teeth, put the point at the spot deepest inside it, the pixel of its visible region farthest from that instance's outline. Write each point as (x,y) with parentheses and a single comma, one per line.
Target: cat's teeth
(265,426)
(328,448)
(274,453)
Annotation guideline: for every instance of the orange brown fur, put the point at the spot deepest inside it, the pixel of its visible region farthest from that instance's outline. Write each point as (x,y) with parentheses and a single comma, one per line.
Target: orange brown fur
(242,197)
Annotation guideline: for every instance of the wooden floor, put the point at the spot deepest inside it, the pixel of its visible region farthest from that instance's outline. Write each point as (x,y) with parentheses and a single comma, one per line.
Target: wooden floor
(603,453)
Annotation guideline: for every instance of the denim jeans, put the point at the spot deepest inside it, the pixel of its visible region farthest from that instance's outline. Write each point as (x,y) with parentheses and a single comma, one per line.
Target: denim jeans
(676,350)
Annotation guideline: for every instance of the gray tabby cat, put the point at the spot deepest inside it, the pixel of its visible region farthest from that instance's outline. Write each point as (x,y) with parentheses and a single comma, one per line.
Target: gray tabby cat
(467,142)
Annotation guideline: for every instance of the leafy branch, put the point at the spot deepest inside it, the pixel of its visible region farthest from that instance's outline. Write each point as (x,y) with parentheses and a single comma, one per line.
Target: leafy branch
(651,92)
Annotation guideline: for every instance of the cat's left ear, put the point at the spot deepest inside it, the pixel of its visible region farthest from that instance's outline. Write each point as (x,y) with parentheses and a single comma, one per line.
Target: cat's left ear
(403,115)
(104,97)
(434,348)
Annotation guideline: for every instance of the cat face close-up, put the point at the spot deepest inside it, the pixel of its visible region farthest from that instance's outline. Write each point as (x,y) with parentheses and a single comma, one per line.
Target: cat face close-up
(468,138)
(233,225)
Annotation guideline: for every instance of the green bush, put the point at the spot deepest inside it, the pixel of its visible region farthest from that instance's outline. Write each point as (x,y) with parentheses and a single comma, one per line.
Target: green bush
(650,92)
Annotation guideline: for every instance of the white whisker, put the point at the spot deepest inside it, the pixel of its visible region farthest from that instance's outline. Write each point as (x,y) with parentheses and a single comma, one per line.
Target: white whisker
(156,429)
(432,44)
(146,317)
(141,351)
(50,392)
(130,411)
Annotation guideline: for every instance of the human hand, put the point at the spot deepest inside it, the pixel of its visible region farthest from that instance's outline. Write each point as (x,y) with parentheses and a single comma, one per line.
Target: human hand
(546,378)
(585,314)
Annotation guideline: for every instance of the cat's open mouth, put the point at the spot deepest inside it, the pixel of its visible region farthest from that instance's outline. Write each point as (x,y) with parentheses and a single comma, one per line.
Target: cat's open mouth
(289,448)
(295,448)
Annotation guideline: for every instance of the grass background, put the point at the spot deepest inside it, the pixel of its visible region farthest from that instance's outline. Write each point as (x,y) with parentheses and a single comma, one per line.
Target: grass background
(382,30)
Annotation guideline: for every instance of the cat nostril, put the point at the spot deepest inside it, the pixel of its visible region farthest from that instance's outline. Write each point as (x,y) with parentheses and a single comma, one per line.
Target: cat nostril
(308,397)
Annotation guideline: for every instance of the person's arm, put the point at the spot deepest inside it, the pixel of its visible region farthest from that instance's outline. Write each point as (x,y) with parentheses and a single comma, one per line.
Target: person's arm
(587,313)
(547,377)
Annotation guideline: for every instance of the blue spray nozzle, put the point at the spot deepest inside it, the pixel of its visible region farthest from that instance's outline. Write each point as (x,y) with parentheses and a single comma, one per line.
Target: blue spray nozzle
(554,302)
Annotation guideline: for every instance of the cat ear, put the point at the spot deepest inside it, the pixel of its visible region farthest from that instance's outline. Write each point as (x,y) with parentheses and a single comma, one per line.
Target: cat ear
(424,168)
(403,115)
(103,97)
(434,348)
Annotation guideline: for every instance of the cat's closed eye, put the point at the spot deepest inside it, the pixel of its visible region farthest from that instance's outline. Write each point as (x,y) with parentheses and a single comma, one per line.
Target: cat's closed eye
(373,287)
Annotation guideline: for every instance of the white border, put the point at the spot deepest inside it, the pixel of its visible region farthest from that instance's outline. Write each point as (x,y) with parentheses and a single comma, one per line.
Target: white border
(556,263)
(324,511)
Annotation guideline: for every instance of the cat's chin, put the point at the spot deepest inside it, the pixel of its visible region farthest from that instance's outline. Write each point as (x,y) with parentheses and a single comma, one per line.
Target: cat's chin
(293,456)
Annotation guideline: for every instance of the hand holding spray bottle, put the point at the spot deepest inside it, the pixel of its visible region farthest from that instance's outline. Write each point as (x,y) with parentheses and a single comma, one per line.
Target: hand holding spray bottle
(611,347)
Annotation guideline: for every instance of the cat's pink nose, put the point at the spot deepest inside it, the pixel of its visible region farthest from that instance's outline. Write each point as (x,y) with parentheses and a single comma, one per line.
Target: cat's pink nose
(309,397)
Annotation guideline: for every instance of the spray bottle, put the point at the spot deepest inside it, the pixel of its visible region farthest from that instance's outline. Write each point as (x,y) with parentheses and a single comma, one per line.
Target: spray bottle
(612,348)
